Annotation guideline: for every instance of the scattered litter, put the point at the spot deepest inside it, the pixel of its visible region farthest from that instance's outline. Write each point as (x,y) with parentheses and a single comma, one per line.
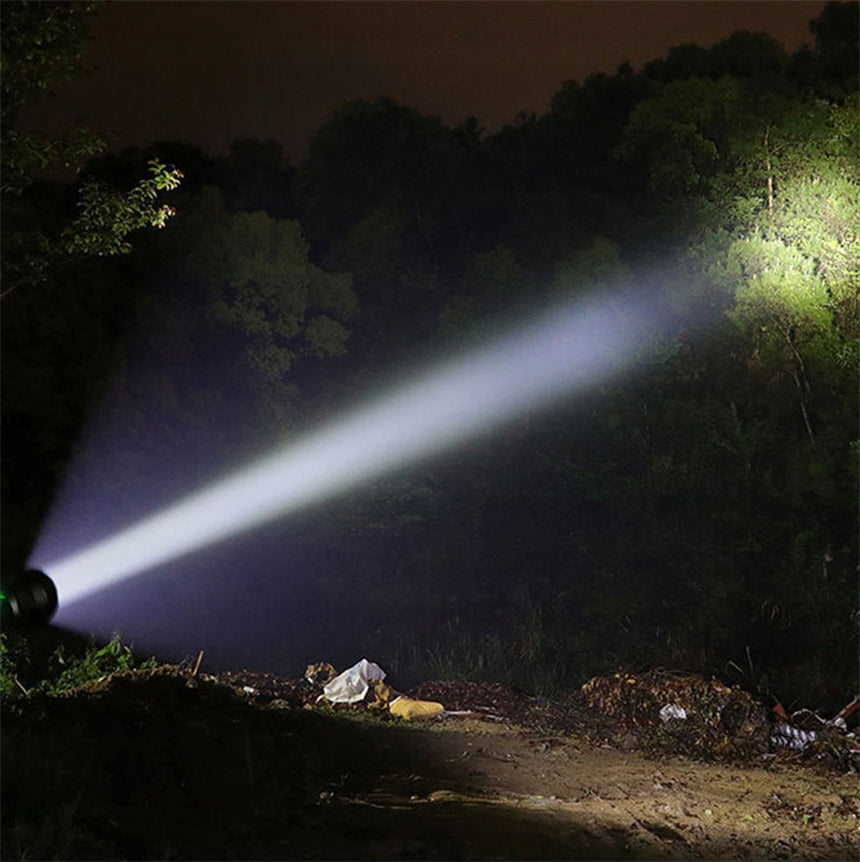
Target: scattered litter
(470,713)
(320,673)
(672,710)
(407,707)
(806,731)
(659,711)
(352,685)
(788,736)
(363,684)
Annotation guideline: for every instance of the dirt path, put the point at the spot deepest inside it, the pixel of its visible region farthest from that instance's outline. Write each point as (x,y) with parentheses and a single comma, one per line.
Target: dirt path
(481,791)
(161,765)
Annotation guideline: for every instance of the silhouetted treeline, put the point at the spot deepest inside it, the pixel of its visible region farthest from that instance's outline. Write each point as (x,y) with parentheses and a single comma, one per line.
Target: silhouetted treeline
(701,513)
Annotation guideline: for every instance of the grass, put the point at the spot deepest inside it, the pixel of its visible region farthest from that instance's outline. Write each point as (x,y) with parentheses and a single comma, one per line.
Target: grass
(26,668)
(525,656)
(159,764)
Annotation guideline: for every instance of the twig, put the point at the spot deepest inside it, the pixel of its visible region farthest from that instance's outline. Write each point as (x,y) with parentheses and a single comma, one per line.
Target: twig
(20,685)
(197,664)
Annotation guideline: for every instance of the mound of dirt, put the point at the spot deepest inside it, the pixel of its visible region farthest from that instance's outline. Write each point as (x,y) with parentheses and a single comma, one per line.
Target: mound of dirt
(680,714)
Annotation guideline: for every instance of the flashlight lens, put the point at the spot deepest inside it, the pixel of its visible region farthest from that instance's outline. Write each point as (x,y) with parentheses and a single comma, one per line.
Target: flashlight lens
(30,599)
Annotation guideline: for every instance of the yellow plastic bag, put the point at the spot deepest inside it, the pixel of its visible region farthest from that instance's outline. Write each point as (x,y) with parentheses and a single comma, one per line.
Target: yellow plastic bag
(406,707)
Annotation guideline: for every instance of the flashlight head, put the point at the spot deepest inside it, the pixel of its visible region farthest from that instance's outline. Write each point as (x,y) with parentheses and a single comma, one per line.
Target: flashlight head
(29,598)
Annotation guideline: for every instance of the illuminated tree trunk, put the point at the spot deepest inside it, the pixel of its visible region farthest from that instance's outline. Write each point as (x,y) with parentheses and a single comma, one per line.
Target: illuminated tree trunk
(769,169)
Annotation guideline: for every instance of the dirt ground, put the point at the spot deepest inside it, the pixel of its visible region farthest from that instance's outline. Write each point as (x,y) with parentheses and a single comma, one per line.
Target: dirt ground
(162,764)
(483,791)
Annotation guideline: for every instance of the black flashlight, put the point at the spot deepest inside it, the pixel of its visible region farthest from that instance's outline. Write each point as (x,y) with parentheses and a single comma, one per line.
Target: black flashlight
(29,598)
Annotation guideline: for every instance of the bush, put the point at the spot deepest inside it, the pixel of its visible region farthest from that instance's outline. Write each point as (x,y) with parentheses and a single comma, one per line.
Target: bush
(21,675)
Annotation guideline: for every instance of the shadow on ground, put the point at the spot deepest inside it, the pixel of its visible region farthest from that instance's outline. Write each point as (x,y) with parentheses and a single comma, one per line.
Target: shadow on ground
(163,765)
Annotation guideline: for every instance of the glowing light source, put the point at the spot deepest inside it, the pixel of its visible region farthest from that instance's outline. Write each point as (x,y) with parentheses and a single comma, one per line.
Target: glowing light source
(29,598)
(565,351)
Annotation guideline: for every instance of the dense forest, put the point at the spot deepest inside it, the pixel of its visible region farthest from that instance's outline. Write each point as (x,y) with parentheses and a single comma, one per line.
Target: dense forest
(700,513)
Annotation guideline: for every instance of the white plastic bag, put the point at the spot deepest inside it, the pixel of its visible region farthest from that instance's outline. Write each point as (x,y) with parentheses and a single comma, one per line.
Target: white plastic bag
(351,686)
(672,710)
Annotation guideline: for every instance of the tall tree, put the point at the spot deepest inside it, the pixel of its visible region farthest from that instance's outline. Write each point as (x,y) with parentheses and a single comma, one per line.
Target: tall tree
(41,44)
(54,345)
(250,302)
(373,154)
(374,193)
(829,68)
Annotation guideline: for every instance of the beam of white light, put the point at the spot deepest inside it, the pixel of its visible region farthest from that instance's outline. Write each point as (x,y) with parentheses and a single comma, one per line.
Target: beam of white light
(561,353)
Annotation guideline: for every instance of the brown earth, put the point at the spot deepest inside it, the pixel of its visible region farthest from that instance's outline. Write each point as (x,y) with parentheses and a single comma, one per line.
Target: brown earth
(164,764)
(479,791)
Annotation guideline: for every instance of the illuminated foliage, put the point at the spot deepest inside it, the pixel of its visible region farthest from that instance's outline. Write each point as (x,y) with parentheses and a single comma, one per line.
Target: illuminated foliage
(235,293)
(256,272)
(795,266)
(42,44)
(107,216)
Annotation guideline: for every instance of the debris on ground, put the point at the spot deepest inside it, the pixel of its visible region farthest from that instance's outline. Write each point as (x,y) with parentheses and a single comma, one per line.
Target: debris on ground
(353,685)
(268,688)
(806,732)
(680,713)
(658,712)
(361,686)
(364,683)
(172,762)
(409,708)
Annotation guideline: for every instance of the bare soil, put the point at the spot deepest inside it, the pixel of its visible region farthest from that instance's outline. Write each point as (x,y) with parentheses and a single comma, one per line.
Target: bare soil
(164,764)
(482,791)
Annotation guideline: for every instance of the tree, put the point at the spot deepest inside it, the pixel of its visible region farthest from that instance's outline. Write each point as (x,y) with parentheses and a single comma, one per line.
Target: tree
(166,365)
(40,44)
(370,154)
(748,194)
(250,303)
(796,265)
(679,138)
(375,196)
(752,56)
(586,123)
(58,341)
(493,282)
(255,176)
(829,69)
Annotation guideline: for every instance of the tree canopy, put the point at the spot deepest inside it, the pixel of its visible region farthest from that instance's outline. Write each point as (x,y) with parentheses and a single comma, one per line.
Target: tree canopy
(41,44)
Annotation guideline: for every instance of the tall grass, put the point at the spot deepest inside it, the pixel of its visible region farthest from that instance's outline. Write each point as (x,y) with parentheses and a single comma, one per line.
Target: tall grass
(522,652)
(23,673)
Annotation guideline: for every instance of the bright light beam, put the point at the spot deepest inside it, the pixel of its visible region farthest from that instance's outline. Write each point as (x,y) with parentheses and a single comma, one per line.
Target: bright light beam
(559,354)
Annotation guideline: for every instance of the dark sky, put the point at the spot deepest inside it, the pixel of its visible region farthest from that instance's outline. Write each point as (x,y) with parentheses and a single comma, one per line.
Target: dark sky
(209,72)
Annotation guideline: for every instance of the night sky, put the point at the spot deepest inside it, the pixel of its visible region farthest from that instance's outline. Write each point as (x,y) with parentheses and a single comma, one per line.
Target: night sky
(208,73)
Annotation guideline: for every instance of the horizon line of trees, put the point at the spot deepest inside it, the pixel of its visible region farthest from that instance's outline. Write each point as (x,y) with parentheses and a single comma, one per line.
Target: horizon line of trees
(698,513)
